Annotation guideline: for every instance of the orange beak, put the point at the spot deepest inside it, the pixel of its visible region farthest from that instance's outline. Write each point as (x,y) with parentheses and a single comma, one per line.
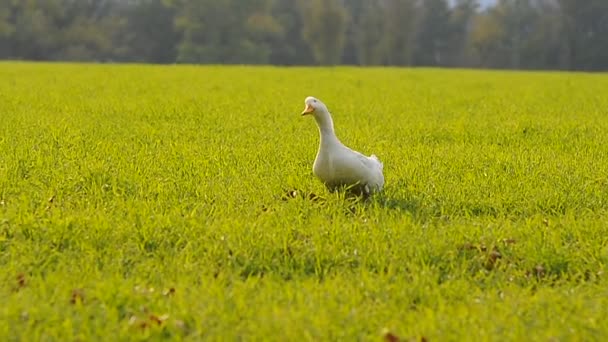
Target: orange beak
(308,110)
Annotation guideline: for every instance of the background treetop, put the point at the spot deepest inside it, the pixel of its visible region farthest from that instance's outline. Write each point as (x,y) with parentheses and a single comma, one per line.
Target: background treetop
(518,34)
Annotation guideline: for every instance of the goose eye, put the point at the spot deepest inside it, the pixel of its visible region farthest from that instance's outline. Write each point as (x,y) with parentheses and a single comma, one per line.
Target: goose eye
(315,101)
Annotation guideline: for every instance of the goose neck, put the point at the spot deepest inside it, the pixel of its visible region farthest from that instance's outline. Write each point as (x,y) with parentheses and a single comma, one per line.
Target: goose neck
(326,124)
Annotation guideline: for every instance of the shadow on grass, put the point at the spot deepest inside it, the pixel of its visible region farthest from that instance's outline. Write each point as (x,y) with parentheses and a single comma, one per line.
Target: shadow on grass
(402,204)
(391,198)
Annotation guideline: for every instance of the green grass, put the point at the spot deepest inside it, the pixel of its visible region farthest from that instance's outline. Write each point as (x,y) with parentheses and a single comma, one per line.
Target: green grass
(131,195)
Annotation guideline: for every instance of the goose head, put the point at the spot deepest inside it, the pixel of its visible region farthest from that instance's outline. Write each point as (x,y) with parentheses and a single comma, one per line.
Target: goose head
(314,107)
(319,111)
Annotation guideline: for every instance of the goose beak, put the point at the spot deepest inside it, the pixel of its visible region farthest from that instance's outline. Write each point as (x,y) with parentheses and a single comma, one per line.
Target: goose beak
(308,110)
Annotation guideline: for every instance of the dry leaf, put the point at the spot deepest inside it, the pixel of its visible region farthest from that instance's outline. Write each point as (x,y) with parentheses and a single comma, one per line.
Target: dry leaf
(77,296)
(159,319)
(539,270)
(132,320)
(468,247)
(390,337)
(509,241)
(21,282)
(180,324)
(169,292)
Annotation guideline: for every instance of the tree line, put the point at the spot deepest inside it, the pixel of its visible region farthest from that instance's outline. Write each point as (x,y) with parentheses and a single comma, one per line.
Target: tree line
(515,34)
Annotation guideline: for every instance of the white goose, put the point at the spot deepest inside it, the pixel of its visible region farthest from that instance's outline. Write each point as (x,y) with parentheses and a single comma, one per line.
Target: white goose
(337,165)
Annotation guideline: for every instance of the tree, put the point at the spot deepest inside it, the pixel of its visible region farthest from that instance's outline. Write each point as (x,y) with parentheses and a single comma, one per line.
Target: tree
(501,33)
(32,30)
(585,32)
(230,31)
(365,33)
(90,30)
(150,34)
(399,31)
(7,28)
(534,34)
(60,29)
(432,34)
(290,47)
(542,48)
(324,29)
(460,25)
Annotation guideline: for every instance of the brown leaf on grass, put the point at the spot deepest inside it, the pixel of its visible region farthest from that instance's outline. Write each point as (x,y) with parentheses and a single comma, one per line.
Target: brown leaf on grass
(180,324)
(493,257)
(77,296)
(539,271)
(144,324)
(21,281)
(159,320)
(467,247)
(388,336)
(134,321)
(509,241)
(291,194)
(472,247)
(50,202)
(169,292)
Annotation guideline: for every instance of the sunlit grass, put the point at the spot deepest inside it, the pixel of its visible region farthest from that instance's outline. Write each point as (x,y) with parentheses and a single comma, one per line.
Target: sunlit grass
(175,202)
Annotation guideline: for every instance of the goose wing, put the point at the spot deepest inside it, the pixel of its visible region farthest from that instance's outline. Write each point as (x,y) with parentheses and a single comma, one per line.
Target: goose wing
(351,167)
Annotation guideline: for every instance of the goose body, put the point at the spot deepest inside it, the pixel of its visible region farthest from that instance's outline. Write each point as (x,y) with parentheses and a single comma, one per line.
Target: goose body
(336,165)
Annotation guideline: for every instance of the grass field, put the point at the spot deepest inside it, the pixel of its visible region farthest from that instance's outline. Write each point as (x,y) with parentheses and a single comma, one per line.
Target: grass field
(174,203)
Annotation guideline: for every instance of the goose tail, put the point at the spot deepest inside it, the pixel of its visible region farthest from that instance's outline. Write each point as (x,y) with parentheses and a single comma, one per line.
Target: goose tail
(375,158)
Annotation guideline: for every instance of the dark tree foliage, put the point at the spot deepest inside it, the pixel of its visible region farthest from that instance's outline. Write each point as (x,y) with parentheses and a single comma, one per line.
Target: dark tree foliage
(514,34)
